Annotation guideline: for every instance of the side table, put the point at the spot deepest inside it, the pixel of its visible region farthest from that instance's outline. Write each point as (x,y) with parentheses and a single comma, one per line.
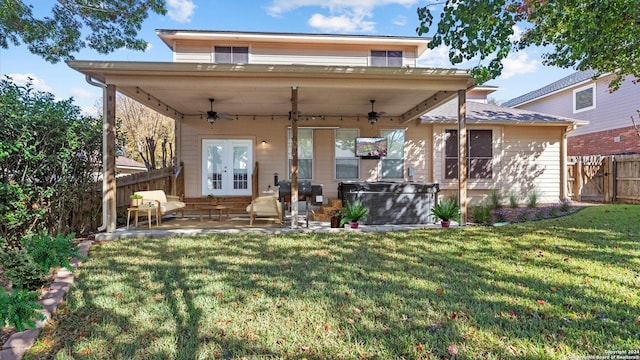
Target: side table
(136,210)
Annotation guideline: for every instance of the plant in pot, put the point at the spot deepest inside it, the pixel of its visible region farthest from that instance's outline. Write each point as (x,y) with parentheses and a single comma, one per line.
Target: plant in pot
(212,199)
(136,200)
(352,213)
(335,216)
(445,210)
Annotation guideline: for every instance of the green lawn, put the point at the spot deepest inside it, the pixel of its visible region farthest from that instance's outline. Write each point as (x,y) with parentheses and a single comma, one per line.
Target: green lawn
(546,289)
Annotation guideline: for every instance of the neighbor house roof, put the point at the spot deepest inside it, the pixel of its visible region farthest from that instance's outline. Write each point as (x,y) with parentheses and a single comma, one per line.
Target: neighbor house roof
(481,113)
(563,83)
(127,163)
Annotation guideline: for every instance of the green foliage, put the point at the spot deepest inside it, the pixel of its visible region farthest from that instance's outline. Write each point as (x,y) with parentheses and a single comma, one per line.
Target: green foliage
(532,198)
(50,252)
(446,209)
(138,196)
(484,30)
(513,199)
(496,199)
(19,309)
(49,154)
(353,212)
(481,214)
(21,269)
(565,205)
(110,25)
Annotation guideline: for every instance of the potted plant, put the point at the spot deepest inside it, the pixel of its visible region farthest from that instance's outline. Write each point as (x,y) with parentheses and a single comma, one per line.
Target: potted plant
(352,213)
(136,200)
(212,199)
(445,211)
(335,216)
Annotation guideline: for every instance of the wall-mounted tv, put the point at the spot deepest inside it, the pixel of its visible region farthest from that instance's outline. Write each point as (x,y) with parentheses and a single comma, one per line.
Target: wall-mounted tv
(371,147)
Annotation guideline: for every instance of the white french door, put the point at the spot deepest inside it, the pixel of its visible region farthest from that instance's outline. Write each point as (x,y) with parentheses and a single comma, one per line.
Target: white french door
(227,167)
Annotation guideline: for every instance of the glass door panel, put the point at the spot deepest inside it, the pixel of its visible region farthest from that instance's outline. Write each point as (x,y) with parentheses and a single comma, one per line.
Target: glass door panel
(226,167)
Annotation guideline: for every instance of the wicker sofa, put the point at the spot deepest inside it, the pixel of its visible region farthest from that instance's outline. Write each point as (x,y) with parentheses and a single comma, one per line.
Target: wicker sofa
(164,203)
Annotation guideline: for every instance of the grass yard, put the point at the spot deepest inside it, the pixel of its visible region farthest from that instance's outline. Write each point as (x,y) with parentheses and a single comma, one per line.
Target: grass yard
(546,289)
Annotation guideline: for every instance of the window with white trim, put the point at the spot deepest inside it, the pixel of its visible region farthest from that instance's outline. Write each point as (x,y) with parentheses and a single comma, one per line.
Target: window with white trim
(305,154)
(584,98)
(347,164)
(231,55)
(393,163)
(386,58)
(480,154)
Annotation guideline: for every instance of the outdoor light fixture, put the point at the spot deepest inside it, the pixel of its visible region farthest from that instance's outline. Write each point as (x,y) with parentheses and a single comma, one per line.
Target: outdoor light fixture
(264,143)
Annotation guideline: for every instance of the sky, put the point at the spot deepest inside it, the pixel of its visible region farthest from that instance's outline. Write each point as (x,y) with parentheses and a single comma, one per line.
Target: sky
(523,71)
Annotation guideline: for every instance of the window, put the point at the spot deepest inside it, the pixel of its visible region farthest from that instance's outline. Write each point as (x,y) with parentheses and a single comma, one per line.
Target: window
(393,163)
(231,55)
(305,153)
(480,144)
(584,98)
(347,164)
(386,58)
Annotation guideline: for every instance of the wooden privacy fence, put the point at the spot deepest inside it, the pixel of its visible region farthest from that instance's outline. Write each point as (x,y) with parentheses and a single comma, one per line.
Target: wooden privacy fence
(598,178)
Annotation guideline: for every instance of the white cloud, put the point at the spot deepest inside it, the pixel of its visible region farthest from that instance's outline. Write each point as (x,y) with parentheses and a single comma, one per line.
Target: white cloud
(517,33)
(436,58)
(400,20)
(81,93)
(23,79)
(344,15)
(149,47)
(341,23)
(518,64)
(181,10)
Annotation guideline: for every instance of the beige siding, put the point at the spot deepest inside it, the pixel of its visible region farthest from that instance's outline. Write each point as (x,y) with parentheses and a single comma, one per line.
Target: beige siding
(193,52)
(532,161)
(291,53)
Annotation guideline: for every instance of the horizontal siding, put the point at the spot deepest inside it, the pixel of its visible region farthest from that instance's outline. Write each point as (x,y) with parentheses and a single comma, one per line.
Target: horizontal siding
(532,161)
(613,110)
(291,53)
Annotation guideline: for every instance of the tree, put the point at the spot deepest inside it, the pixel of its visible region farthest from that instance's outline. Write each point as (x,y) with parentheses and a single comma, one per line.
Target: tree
(584,34)
(111,25)
(140,132)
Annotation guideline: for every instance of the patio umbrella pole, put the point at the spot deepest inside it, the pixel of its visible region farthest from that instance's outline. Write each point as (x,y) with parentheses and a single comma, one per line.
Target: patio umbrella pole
(294,157)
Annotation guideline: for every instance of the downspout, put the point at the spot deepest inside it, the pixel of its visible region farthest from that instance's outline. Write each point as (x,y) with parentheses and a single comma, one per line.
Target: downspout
(564,184)
(90,81)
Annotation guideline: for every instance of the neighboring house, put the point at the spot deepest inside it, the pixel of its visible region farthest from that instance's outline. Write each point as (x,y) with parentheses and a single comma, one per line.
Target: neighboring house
(261,82)
(610,129)
(126,166)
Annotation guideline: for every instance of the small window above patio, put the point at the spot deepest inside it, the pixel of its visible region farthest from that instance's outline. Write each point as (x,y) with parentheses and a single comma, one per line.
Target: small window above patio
(231,55)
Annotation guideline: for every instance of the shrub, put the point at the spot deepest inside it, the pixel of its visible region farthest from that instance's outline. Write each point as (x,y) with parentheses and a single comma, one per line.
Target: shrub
(446,209)
(19,309)
(353,212)
(20,268)
(513,199)
(541,214)
(499,216)
(496,199)
(50,252)
(565,205)
(553,211)
(481,214)
(524,216)
(532,198)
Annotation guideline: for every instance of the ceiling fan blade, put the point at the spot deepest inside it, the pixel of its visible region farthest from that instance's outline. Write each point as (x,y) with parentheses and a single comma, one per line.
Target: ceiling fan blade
(225,116)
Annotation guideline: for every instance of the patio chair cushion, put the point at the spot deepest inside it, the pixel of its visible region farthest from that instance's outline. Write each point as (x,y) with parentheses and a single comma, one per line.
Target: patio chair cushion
(265,206)
(165,203)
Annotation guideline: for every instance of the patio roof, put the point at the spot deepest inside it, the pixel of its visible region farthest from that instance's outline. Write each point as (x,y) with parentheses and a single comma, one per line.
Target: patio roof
(182,90)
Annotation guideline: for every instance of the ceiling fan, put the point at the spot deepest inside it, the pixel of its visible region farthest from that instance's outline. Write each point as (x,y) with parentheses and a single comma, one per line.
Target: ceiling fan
(213,116)
(373,116)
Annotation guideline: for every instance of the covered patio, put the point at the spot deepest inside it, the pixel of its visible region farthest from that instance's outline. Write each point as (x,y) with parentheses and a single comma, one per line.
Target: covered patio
(254,96)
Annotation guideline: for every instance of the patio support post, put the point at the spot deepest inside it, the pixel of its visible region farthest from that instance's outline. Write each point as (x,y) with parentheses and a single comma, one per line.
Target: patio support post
(294,157)
(563,165)
(462,158)
(109,158)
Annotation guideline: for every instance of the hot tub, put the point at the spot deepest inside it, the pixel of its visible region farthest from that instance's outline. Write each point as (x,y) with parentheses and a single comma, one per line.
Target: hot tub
(392,202)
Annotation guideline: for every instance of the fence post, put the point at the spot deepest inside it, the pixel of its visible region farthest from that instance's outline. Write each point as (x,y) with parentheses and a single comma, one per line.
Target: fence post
(578,175)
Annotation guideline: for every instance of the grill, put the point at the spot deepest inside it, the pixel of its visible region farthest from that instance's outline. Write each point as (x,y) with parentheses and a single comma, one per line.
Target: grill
(306,192)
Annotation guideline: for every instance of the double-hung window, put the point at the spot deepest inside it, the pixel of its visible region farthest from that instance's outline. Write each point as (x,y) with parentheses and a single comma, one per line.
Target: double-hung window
(305,153)
(385,58)
(231,54)
(393,163)
(347,164)
(480,154)
(584,98)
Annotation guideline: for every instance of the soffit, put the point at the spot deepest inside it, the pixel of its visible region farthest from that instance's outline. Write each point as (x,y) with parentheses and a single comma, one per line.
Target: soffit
(177,89)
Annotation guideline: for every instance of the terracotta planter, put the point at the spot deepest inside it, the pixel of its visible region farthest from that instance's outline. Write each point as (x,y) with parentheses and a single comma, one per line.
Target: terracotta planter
(354,224)
(445,223)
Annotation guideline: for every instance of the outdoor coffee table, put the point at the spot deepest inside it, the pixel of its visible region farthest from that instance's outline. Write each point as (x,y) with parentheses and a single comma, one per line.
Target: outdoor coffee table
(219,208)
